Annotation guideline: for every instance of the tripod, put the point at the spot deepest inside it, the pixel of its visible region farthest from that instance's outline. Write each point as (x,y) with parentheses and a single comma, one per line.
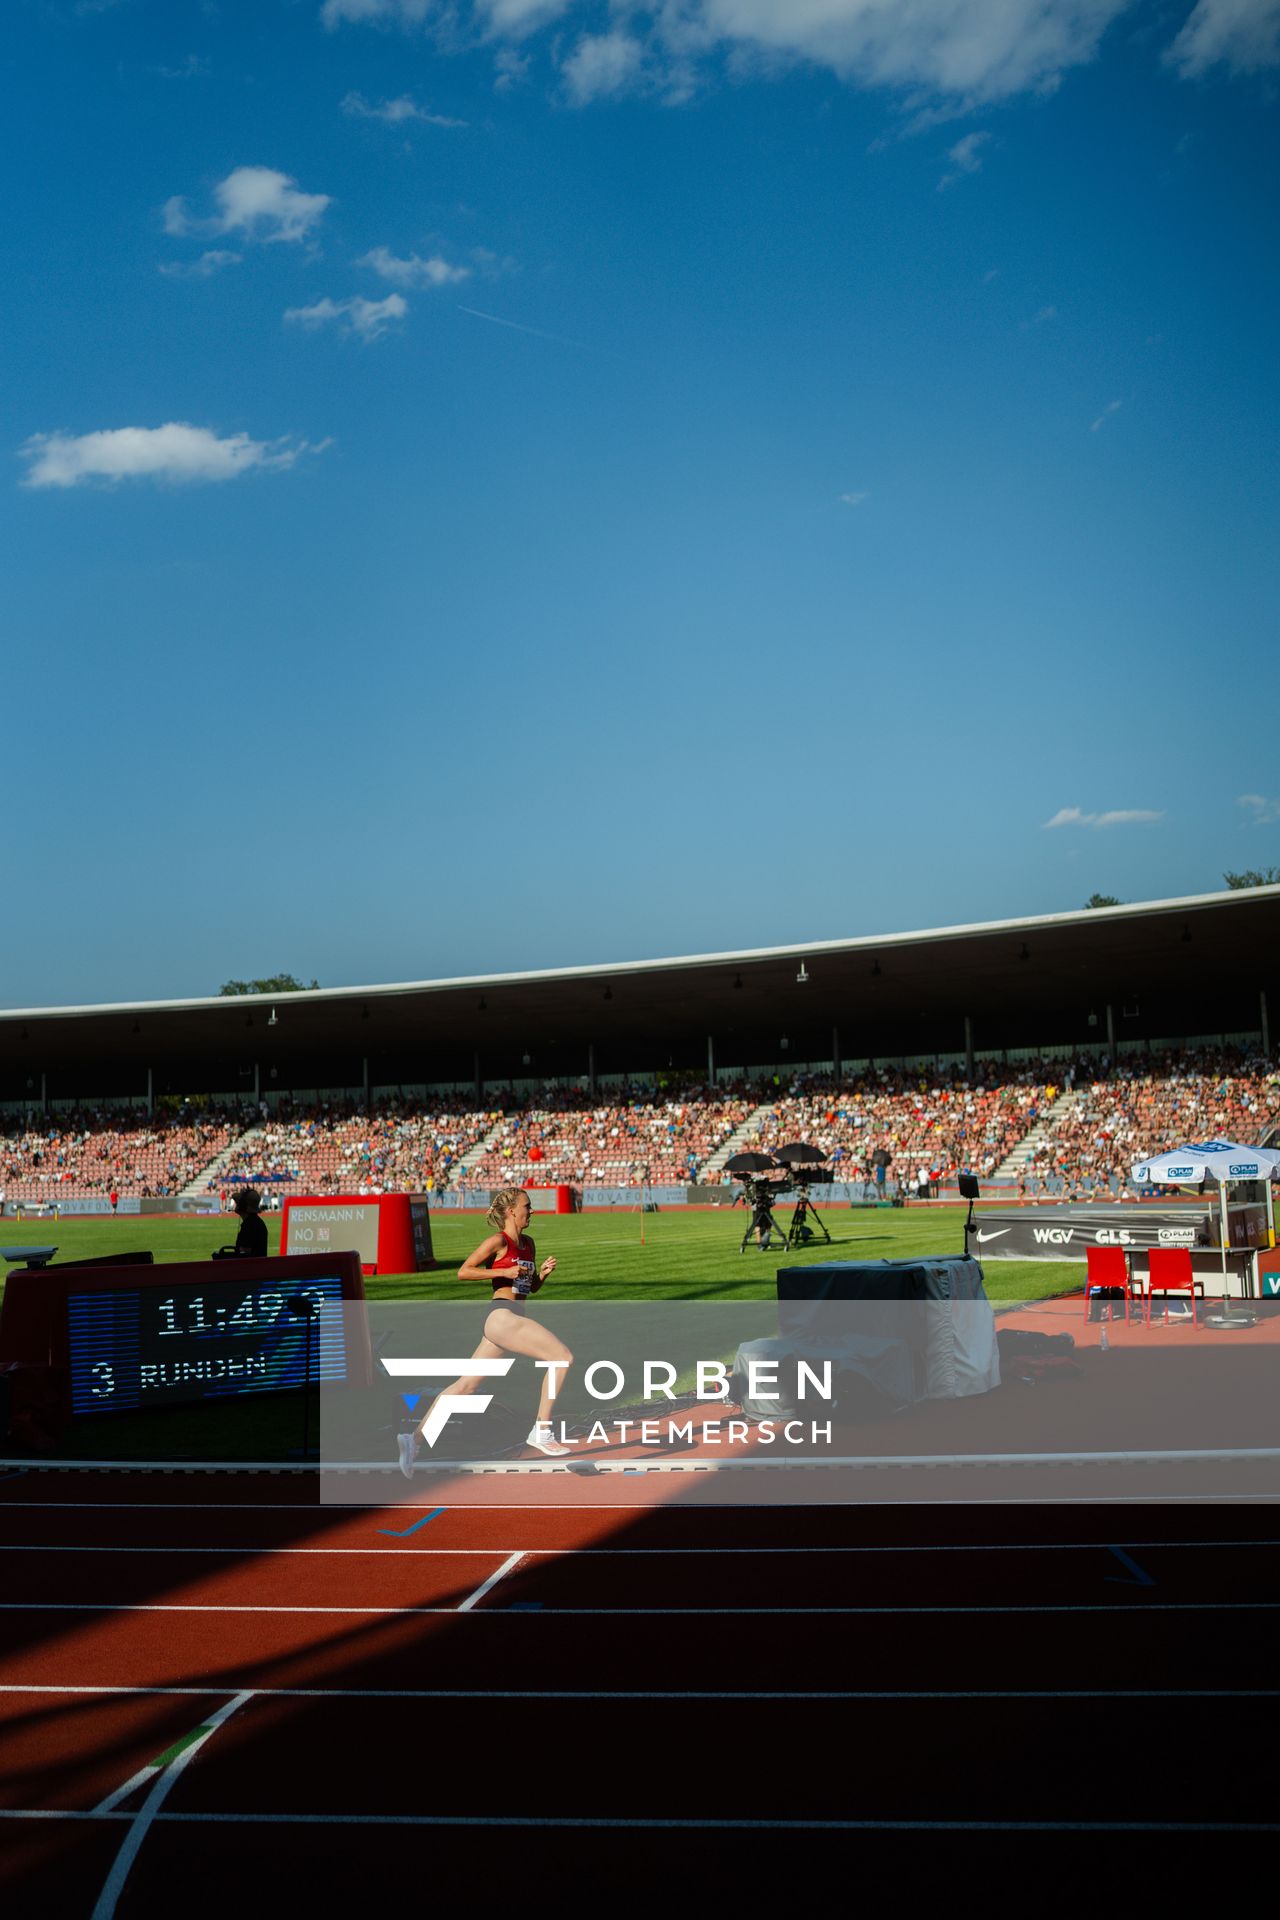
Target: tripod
(800,1218)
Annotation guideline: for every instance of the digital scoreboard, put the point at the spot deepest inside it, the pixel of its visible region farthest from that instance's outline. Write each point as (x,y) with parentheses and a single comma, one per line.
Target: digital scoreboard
(129,1338)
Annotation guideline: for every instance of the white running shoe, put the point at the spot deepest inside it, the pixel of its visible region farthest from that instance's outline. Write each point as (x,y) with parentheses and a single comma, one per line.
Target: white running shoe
(543,1443)
(408,1453)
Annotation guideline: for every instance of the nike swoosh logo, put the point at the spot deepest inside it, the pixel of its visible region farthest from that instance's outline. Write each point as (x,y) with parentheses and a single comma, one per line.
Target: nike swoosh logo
(982,1238)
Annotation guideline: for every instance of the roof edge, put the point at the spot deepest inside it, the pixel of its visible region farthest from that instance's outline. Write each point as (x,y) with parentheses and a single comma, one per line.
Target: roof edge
(610,969)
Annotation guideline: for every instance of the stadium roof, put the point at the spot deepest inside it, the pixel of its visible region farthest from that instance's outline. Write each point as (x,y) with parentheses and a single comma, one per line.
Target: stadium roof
(1165,967)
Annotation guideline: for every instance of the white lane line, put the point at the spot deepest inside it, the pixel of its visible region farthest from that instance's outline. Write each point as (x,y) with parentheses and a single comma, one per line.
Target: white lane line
(664,1693)
(105,1905)
(629,1464)
(165,1465)
(662,1613)
(585,1553)
(131,1785)
(387,1553)
(509,1564)
(756,1823)
(380,1510)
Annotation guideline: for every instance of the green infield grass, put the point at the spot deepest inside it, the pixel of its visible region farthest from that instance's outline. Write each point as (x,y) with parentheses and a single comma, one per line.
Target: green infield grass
(680,1254)
(602,1256)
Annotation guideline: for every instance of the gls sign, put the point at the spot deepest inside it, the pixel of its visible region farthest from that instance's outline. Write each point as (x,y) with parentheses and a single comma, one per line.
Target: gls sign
(1113,1237)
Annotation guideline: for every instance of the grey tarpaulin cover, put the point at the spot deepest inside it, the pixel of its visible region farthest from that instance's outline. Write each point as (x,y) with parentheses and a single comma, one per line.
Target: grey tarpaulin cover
(939,1307)
(884,1363)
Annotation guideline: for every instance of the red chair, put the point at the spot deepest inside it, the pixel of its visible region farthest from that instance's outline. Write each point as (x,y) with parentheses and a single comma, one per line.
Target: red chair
(1169,1271)
(1108,1267)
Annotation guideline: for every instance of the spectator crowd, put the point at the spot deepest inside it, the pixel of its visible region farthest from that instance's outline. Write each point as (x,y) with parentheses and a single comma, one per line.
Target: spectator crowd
(933,1125)
(1146,1105)
(79,1155)
(397,1146)
(650,1137)
(1092,1119)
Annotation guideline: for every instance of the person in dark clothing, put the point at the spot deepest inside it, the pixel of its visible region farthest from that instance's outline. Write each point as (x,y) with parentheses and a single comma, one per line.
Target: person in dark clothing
(252,1237)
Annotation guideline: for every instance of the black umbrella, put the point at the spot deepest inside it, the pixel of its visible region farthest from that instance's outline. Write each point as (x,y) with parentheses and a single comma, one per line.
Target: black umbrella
(751,1163)
(798,1153)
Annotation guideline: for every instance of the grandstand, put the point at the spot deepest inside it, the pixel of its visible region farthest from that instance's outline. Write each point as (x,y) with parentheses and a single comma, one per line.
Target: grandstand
(938,1123)
(1051,1048)
(647,1139)
(1091,1142)
(87,1154)
(397,1147)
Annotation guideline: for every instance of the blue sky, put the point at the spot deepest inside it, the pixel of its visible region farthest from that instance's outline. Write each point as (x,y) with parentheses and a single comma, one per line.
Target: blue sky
(559,482)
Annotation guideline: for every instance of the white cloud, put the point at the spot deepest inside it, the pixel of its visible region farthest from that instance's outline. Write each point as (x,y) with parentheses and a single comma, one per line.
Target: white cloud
(945,56)
(412,270)
(175,452)
(1264,811)
(969,50)
(964,158)
(1039,318)
(368,319)
(1120,817)
(510,68)
(1112,406)
(516,18)
(602,64)
(202,269)
(192,68)
(256,202)
(395,112)
(1241,34)
(512,18)
(853,499)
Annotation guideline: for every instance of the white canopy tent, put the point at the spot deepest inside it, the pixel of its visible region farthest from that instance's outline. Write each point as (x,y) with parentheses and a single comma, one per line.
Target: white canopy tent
(1225,1162)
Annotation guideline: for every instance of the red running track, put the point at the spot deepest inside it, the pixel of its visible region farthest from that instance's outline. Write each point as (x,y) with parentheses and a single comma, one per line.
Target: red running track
(643,1704)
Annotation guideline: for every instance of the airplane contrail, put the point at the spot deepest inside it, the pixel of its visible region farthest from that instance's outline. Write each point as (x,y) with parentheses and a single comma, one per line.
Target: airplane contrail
(518,326)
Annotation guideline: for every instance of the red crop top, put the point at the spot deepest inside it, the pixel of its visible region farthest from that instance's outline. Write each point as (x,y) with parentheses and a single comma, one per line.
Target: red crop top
(514,1256)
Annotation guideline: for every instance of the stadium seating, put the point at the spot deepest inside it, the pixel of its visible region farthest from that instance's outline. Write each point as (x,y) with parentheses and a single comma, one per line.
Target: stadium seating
(650,1137)
(1092,1126)
(81,1155)
(1146,1105)
(933,1122)
(396,1147)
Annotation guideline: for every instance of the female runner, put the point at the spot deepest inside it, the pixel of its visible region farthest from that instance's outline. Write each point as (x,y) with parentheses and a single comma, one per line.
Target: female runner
(507,1261)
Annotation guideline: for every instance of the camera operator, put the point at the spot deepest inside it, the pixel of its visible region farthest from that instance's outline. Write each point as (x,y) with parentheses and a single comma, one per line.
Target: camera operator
(760,1197)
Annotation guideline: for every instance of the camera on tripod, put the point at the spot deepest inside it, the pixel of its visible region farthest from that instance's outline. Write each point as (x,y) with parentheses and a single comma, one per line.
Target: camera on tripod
(802,1168)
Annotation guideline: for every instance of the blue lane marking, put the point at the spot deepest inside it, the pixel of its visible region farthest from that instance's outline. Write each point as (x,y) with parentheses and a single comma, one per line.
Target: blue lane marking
(400,1532)
(1139,1578)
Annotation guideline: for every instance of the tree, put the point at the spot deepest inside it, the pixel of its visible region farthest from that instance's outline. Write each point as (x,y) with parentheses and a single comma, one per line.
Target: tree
(1103,900)
(277,983)
(1252,878)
